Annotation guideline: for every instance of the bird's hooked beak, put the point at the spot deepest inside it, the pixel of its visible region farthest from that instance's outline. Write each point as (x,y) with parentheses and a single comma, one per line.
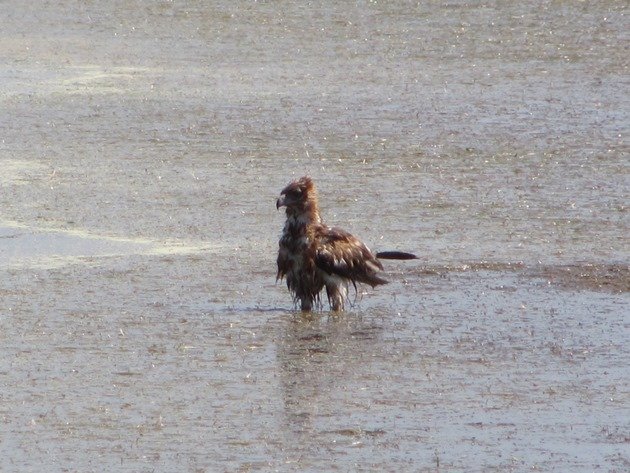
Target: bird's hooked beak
(281,202)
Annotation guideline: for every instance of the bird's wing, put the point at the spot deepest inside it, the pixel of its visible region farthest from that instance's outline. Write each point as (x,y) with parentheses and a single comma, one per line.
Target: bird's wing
(339,252)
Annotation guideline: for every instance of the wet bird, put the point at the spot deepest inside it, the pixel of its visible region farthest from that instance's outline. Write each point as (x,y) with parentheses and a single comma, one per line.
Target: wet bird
(313,256)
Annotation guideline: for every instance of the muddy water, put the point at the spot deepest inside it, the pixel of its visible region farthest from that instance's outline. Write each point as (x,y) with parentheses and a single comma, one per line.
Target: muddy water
(142,148)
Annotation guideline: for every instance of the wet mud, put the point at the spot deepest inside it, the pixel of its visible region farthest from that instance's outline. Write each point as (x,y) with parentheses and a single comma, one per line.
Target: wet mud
(594,277)
(613,278)
(142,148)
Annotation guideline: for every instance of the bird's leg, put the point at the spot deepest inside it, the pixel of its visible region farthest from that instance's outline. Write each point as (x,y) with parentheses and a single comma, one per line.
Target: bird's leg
(336,296)
(306,304)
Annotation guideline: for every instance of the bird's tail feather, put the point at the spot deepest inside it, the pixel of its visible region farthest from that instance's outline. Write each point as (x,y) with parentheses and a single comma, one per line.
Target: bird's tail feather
(395,255)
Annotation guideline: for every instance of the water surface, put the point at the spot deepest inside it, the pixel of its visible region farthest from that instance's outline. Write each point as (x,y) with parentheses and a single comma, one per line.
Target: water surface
(142,149)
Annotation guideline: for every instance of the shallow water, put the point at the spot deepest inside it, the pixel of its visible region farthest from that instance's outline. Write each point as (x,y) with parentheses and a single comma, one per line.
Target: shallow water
(142,150)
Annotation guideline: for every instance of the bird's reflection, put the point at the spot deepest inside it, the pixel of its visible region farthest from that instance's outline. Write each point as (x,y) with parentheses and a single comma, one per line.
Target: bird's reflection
(320,357)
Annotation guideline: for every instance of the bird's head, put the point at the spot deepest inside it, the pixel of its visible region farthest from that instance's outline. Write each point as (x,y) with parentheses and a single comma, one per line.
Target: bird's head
(298,196)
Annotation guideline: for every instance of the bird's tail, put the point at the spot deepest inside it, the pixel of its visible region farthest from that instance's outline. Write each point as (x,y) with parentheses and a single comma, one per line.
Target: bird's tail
(395,255)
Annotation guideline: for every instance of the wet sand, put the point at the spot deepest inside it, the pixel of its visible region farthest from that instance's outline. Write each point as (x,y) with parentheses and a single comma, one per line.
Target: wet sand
(142,150)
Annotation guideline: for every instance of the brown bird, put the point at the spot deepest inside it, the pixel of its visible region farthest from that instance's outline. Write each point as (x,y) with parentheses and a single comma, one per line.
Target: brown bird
(313,255)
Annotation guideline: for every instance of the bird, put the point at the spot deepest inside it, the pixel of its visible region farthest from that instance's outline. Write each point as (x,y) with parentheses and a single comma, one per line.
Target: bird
(313,256)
